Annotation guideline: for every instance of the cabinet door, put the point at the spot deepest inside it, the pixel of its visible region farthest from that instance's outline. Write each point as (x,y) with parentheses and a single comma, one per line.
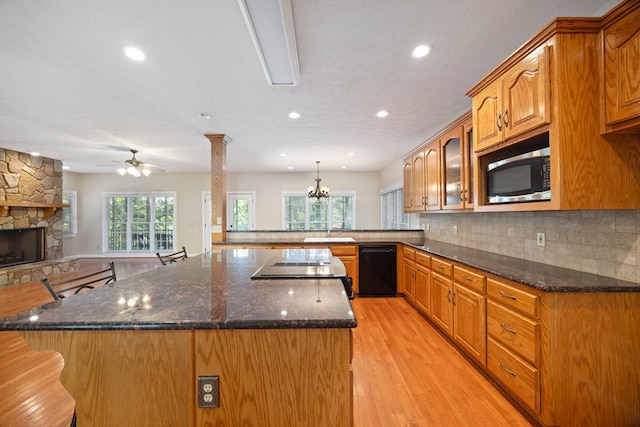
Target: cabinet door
(432,176)
(418,181)
(470,322)
(423,277)
(487,116)
(441,307)
(408,279)
(467,166)
(526,102)
(622,70)
(407,189)
(452,170)
(351,265)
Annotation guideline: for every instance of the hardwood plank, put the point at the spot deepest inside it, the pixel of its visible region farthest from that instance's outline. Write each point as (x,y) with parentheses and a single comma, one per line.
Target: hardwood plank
(407,374)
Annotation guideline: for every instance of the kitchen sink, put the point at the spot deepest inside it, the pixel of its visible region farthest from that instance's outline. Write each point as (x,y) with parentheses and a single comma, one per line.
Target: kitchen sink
(328,239)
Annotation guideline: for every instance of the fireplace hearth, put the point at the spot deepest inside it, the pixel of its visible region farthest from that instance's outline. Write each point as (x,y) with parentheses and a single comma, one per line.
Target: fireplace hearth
(21,246)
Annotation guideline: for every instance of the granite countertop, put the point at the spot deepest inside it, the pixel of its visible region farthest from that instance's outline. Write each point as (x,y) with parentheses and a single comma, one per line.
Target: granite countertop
(545,277)
(209,291)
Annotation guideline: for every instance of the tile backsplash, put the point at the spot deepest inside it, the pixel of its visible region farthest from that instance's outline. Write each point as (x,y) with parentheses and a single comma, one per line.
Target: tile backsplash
(605,242)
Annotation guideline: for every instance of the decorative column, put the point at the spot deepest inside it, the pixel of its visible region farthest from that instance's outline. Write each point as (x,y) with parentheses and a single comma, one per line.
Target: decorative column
(218,186)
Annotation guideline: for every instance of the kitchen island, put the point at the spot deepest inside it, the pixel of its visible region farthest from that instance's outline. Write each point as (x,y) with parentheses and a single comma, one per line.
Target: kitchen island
(133,350)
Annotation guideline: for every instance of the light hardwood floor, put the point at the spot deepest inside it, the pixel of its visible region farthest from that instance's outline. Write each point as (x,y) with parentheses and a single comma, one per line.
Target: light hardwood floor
(405,372)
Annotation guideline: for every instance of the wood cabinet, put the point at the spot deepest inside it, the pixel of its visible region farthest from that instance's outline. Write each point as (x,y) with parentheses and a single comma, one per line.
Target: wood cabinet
(456,147)
(549,91)
(515,103)
(469,312)
(348,254)
(621,40)
(563,356)
(422,282)
(421,175)
(408,273)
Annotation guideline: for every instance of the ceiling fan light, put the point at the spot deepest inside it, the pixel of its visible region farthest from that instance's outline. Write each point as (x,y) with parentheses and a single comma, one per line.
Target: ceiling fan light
(146,172)
(122,171)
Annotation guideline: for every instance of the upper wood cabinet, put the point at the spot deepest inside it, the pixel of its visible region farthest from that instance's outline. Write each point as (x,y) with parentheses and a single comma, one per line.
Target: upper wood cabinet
(549,89)
(621,40)
(457,167)
(421,175)
(515,103)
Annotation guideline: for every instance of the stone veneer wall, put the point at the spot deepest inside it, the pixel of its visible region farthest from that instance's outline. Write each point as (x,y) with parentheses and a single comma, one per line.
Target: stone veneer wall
(27,178)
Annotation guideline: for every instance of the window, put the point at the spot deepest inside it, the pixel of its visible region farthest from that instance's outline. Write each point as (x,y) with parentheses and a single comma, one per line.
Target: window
(140,222)
(70,214)
(392,216)
(338,211)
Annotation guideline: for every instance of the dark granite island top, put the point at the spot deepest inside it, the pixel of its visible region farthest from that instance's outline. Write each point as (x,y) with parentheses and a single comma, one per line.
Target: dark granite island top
(209,291)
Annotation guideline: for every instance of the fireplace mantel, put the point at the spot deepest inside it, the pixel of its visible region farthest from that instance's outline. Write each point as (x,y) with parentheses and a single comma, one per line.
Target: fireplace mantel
(49,208)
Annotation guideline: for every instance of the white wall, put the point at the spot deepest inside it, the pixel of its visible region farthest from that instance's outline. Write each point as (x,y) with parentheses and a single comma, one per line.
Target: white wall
(270,186)
(89,187)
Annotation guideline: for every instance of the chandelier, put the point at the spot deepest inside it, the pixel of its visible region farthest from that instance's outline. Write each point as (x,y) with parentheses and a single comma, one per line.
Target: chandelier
(318,192)
(134,167)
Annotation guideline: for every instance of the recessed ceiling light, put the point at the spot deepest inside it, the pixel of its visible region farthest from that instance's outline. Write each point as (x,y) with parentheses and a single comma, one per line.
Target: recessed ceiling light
(35,154)
(343,167)
(283,154)
(134,53)
(294,115)
(65,167)
(349,154)
(382,113)
(289,167)
(421,51)
(205,115)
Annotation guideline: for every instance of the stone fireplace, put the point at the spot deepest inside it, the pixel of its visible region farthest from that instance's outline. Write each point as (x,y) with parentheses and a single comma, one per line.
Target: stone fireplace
(30,194)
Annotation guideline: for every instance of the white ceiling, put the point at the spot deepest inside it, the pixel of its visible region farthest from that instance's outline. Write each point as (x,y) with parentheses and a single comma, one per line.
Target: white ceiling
(67,91)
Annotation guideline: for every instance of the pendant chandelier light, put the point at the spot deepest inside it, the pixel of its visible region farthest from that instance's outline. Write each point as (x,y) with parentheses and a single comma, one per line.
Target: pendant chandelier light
(318,192)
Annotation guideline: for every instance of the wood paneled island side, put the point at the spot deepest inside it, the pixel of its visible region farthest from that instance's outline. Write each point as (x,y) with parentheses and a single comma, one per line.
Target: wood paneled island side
(133,350)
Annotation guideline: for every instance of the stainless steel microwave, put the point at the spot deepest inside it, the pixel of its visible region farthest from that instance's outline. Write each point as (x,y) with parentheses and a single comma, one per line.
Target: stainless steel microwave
(522,178)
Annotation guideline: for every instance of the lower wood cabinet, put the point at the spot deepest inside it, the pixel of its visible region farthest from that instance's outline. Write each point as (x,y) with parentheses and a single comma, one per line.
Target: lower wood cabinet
(568,358)
(408,273)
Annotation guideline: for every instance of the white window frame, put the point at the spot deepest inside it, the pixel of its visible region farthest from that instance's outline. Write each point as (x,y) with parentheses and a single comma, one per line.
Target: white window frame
(398,211)
(72,201)
(105,216)
(250,196)
(309,200)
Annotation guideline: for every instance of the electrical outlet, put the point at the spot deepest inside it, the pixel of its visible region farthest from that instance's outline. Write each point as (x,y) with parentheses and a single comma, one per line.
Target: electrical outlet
(208,392)
(427,227)
(540,239)
(455,230)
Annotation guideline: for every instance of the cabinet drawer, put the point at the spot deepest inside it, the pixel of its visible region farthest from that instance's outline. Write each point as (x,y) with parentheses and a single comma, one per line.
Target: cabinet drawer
(516,332)
(408,253)
(514,373)
(346,250)
(441,267)
(423,260)
(469,279)
(522,301)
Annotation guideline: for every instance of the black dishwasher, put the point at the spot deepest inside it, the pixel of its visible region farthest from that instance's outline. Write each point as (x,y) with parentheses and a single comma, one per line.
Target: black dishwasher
(377,270)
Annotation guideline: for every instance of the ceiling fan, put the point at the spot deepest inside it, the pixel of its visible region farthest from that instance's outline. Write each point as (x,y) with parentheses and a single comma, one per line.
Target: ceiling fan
(135,167)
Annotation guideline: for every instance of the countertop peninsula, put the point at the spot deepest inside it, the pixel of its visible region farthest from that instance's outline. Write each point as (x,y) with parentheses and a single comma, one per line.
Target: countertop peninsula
(208,291)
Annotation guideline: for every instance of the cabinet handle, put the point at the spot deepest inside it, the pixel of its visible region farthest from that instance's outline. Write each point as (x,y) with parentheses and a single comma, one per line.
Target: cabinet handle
(506,118)
(453,299)
(506,295)
(440,267)
(449,295)
(467,278)
(508,371)
(499,122)
(513,331)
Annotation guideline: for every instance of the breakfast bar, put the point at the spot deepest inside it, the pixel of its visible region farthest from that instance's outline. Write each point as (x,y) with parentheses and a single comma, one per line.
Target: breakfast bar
(134,350)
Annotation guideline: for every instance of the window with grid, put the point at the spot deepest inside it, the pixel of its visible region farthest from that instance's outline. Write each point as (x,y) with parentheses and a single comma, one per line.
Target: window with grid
(338,211)
(70,214)
(392,215)
(140,222)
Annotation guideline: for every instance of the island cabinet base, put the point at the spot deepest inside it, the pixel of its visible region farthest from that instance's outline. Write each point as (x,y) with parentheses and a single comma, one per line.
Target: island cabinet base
(267,377)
